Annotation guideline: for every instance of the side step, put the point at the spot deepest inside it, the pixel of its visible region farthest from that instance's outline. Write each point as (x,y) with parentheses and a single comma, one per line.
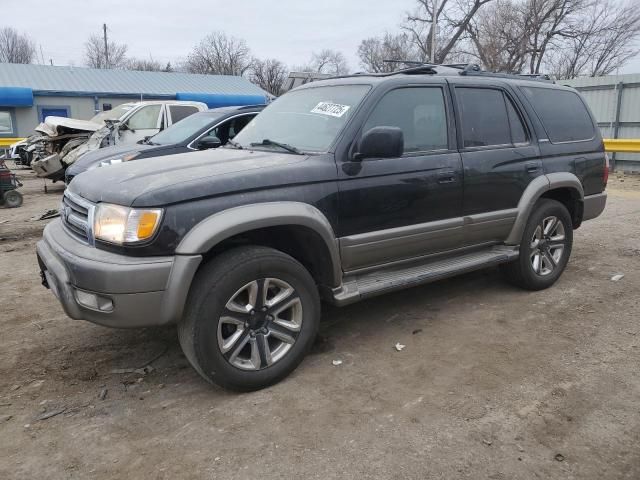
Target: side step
(385,280)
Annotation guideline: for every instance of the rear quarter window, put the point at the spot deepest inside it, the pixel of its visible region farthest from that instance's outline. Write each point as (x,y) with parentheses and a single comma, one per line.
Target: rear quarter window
(563,114)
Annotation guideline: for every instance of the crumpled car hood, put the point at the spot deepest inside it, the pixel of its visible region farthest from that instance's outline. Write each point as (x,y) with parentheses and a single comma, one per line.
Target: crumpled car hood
(54,126)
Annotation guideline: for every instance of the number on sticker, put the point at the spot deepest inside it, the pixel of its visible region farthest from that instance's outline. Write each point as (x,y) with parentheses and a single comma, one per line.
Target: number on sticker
(331,109)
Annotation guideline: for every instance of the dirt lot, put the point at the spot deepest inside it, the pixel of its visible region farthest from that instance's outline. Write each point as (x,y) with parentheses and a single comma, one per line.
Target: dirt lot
(494,382)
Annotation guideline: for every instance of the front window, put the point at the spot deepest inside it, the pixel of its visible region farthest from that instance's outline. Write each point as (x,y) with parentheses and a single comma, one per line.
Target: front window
(113,114)
(6,125)
(308,119)
(419,112)
(181,131)
(146,118)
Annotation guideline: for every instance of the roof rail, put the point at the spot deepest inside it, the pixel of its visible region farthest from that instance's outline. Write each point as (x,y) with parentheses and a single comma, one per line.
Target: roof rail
(467,69)
(483,73)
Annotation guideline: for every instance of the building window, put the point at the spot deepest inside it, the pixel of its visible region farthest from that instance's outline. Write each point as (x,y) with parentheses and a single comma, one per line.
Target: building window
(6,123)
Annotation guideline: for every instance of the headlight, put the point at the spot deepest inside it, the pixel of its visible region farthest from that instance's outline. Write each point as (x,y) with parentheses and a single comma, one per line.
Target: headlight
(114,161)
(120,225)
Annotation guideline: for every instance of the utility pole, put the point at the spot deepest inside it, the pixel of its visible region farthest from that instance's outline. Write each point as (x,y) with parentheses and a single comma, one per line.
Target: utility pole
(106,46)
(434,27)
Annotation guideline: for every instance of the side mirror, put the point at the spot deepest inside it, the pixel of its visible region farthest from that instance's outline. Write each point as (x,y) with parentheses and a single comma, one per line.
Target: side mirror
(208,142)
(381,142)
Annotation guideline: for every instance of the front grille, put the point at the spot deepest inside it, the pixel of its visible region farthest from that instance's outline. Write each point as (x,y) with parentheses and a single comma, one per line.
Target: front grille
(77,216)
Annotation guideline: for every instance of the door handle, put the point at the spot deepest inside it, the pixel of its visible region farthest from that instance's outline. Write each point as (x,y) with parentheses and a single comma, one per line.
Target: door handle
(532,167)
(447,177)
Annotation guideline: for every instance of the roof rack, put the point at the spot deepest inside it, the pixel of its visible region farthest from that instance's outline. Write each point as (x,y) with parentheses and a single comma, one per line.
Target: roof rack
(466,69)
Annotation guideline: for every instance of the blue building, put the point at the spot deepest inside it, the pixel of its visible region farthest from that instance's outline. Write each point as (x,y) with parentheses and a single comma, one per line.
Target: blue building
(29,93)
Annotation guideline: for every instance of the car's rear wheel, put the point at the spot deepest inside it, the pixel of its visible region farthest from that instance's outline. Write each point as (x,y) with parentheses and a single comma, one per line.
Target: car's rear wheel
(545,247)
(12,199)
(251,316)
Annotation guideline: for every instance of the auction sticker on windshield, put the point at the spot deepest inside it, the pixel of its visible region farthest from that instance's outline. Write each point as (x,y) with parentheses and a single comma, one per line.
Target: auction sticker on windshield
(332,109)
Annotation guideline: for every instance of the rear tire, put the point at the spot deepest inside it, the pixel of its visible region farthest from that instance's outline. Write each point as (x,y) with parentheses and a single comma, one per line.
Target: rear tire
(252,315)
(12,199)
(545,247)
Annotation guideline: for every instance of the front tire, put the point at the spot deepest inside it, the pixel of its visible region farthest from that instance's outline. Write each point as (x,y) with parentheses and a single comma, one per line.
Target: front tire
(251,316)
(544,249)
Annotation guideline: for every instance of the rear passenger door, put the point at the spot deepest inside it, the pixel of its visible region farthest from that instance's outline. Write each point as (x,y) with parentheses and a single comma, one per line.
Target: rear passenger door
(398,208)
(499,157)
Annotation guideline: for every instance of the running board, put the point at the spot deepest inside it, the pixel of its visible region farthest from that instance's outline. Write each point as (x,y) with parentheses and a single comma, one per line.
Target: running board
(358,287)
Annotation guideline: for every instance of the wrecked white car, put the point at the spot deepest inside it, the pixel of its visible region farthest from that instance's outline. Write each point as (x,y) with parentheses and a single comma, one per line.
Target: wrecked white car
(61,141)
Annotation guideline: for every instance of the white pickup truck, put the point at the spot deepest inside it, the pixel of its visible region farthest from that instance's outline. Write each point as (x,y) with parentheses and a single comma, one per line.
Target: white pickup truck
(61,141)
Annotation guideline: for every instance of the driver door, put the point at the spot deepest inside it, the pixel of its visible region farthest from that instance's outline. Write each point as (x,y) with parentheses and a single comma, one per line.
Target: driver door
(393,209)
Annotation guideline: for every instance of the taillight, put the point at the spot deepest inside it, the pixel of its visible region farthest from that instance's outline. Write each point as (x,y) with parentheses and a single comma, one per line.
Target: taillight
(605,176)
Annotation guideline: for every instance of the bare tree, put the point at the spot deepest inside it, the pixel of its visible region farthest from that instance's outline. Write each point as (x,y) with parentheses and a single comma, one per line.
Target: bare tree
(15,48)
(547,22)
(603,38)
(95,55)
(329,61)
(453,17)
(375,50)
(144,65)
(220,54)
(498,38)
(564,37)
(270,75)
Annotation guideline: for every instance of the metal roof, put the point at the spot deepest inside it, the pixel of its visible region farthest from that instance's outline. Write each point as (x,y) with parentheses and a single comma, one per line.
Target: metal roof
(67,79)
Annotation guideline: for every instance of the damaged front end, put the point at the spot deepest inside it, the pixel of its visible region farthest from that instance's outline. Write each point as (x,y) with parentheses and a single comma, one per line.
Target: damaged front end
(101,138)
(57,138)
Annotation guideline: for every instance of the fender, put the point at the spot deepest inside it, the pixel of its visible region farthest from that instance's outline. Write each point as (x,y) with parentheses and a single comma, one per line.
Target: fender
(220,226)
(533,192)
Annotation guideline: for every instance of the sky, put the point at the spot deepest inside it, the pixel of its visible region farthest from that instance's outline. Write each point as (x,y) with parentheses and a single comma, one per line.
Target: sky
(167,30)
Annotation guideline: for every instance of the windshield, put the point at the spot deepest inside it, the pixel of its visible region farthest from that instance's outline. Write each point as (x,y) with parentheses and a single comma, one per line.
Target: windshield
(113,114)
(182,130)
(308,119)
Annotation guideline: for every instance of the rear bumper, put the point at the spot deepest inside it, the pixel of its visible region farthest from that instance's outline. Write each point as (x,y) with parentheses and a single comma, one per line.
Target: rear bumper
(110,289)
(594,205)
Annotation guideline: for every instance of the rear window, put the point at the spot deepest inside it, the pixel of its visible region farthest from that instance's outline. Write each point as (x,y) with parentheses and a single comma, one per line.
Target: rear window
(563,114)
(178,112)
(485,121)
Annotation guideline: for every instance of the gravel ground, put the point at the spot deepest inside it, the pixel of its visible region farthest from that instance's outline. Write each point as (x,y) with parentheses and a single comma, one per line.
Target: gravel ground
(494,382)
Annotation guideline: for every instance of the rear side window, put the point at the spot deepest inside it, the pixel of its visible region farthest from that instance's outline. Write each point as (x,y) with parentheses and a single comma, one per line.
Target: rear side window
(178,112)
(484,117)
(563,114)
(489,118)
(419,112)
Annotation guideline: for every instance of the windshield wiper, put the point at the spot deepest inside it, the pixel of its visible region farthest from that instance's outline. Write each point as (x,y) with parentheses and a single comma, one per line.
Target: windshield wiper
(235,144)
(284,146)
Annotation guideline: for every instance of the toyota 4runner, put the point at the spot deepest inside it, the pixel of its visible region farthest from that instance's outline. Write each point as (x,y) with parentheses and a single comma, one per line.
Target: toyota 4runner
(340,190)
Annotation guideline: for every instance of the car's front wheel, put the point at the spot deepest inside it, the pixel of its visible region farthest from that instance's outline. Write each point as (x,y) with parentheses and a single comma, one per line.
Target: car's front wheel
(251,316)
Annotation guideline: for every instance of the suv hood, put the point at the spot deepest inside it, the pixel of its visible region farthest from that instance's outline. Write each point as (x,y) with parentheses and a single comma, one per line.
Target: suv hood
(160,181)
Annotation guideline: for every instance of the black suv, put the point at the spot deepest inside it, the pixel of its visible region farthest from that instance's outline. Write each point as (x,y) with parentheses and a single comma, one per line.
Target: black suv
(339,190)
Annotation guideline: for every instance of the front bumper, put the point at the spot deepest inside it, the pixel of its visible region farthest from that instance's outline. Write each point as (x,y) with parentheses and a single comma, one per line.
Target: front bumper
(111,289)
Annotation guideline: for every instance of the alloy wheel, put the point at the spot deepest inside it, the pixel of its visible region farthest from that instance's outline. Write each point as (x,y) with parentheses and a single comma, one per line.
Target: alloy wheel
(547,245)
(260,324)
